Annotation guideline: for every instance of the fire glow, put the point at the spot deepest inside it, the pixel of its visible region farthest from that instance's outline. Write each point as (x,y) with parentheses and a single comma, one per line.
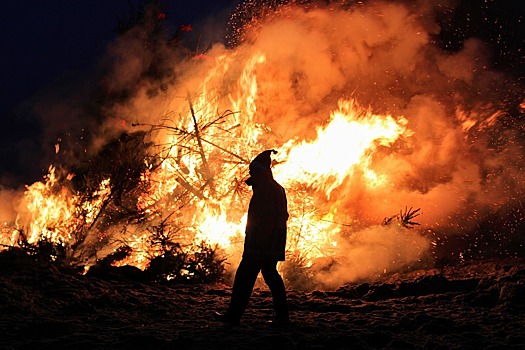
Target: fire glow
(345,161)
(349,140)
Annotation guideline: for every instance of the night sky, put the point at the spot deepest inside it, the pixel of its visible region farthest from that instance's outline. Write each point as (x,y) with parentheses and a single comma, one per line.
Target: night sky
(47,42)
(44,42)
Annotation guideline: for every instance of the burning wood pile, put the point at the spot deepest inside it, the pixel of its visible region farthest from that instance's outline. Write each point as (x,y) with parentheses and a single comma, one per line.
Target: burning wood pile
(176,209)
(166,193)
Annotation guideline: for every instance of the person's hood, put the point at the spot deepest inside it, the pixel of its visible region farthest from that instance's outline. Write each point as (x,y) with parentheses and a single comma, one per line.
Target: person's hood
(262,162)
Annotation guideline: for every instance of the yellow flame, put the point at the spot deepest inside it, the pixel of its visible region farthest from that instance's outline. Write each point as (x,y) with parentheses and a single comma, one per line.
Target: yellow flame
(215,228)
(199,184)
(51,210)
(55,213)
(350,136)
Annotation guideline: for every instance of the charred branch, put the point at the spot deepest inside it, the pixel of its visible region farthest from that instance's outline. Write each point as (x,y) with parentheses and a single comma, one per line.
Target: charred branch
(404,218)
(207,172)
(179,131)
(189,187)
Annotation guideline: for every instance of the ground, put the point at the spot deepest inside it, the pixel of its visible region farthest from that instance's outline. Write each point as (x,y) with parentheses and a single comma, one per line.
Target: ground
(474,305)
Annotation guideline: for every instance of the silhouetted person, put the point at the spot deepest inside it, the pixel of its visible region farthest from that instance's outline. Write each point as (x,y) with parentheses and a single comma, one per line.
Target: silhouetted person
(264,244)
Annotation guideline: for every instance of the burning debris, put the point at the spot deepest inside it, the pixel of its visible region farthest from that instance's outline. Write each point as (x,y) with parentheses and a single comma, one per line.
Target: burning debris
(171,177)
(404,218)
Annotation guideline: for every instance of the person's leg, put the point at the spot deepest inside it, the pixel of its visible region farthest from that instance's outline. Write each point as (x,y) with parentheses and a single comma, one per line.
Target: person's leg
(242,288)
(276,285)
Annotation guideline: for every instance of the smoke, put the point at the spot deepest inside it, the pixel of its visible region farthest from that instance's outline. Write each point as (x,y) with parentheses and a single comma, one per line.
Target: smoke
(372,253)
(462,163)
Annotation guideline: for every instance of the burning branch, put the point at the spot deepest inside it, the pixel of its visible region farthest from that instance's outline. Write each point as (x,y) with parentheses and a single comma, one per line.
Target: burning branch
(164,237)
(207,171)
(404,218)
(192,144)
(179,131)
(45,250)
(189,187)
(201,263)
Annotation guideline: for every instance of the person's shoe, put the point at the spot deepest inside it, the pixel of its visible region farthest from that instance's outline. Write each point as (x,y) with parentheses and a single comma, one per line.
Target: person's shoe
(224,318)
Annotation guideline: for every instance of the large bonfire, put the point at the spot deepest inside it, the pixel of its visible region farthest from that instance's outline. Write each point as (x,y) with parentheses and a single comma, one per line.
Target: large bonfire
(368,115)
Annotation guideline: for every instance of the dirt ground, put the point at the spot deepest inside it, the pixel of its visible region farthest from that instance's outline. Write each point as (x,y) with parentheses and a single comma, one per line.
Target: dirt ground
(477,305)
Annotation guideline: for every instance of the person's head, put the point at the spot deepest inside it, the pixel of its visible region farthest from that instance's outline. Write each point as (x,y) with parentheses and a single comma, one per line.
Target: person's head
(260,168)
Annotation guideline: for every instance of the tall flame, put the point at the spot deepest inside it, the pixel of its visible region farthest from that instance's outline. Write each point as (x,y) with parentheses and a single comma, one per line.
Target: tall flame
(349,140)
(208,150)
(304,98)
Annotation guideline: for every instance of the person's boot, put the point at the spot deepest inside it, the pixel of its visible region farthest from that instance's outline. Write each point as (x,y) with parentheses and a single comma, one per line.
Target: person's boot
(280,319)
(281,316)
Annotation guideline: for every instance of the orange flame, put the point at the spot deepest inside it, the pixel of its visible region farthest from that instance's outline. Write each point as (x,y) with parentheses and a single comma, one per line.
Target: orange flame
(344,166)
(349,140)
(195,178)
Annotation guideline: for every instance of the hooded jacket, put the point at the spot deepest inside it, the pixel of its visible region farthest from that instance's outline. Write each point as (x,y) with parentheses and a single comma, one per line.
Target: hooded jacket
(266,224)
